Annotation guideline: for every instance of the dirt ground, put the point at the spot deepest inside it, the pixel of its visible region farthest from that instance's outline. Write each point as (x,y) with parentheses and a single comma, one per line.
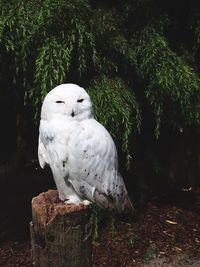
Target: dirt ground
(165,233)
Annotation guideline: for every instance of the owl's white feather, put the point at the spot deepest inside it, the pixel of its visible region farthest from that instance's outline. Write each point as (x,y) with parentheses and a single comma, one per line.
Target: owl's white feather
(79,150)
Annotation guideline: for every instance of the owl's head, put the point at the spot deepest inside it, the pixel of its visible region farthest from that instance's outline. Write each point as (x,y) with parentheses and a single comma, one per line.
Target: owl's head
(68,100)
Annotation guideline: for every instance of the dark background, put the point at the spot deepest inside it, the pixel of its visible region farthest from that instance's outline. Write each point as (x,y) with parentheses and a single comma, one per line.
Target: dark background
(160,165)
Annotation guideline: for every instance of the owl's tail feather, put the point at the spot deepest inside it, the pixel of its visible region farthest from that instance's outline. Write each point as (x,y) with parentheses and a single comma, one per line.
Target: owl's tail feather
(123,206)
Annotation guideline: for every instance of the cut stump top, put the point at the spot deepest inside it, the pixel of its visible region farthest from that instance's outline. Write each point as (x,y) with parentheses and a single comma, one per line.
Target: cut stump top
(48,205)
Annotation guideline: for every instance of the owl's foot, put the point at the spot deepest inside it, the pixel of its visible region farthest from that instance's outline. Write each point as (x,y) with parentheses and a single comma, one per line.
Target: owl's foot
(73,199)
(76,200)
(86,202)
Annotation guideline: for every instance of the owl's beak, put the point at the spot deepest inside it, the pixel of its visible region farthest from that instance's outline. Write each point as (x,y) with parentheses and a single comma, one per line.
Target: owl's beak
(72,114)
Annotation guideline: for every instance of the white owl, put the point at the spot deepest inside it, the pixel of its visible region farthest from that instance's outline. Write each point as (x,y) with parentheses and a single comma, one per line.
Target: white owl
(79,150)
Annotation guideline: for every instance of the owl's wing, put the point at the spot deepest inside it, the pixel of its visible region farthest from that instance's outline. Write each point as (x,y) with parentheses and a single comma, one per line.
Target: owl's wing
(53,147)
(93,168)
(42,154)
(53,150)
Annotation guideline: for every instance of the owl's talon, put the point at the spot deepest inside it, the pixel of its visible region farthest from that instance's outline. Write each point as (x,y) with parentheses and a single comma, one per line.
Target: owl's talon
(86,202)
(73,200)
(76,201)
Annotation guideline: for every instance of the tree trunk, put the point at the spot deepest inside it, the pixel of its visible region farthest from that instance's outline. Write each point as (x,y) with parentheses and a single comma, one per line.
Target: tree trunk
(60,233)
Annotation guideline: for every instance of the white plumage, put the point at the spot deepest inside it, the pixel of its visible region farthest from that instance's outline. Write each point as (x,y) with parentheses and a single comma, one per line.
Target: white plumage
(79,150)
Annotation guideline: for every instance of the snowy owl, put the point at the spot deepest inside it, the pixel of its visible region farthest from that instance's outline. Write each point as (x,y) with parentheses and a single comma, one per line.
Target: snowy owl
(79,150)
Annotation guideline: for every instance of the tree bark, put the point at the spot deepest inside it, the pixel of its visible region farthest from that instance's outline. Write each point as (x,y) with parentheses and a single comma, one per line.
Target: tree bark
(60,233)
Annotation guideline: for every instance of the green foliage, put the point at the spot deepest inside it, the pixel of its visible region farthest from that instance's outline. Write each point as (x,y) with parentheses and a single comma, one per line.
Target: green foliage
(116,108)
(47,39)
(172,85)
(151,253)
(134,241)
(133,58)
(97,218)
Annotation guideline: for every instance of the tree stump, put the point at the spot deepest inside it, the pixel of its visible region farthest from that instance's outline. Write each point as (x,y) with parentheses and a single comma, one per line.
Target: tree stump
(60,233)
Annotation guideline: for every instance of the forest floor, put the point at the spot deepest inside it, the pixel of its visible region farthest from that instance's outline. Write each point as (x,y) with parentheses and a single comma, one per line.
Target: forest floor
(165,233)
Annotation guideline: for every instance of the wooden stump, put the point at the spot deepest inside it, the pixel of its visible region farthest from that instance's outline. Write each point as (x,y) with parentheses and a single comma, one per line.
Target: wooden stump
(60,233)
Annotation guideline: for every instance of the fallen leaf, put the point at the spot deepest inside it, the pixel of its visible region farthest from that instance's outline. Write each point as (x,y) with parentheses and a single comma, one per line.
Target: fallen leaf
(187,189)
(96,244)
(178,249)
(171,222)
